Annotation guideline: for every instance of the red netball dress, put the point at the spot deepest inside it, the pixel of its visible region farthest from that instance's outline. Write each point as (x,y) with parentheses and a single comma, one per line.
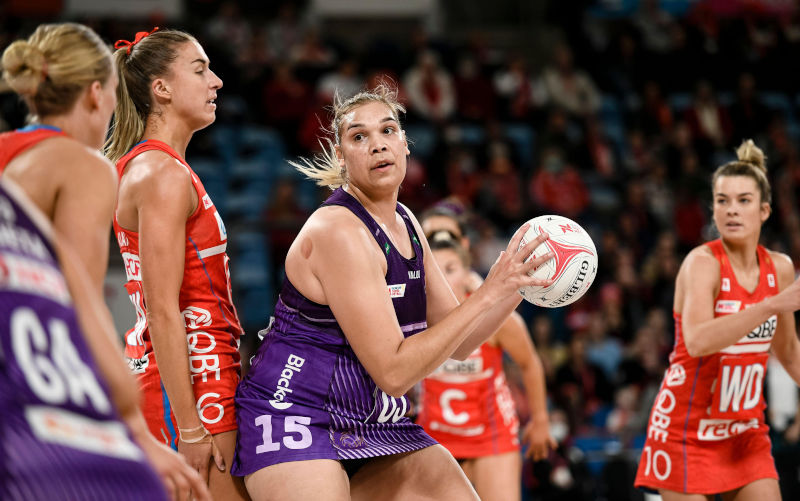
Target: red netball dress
(468,408)
(706,432)
(212,325)
(15,142)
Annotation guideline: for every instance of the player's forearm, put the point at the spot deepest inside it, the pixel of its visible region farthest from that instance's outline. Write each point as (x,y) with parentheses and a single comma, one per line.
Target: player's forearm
(419,355)
(168,336)
(98,328)
(535,389)
(788,354)
(713,335)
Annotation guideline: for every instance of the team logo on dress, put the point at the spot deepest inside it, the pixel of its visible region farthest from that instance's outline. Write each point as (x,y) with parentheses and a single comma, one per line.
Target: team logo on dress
(726,284)
(727,306)
(397,290)
(771,279)
(194,317)
(207,201)
(676,375)
(349,440)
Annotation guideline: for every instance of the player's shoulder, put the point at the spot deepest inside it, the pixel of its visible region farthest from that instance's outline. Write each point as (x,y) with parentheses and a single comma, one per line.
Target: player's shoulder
(699,262)
(783,263)
(701,254)
(156,167)
(74,158)
(338,230)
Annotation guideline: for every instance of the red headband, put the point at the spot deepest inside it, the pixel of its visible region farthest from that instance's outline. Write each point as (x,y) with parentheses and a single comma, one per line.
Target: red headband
(138,38)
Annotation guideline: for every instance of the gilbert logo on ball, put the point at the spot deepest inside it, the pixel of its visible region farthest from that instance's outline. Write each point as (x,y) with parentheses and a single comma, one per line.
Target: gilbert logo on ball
(572,268)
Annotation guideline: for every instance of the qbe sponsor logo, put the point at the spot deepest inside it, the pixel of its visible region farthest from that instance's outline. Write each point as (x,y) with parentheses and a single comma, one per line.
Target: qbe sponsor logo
(762,332)
(201,361)
(293,365)
(658,461)
(712,430)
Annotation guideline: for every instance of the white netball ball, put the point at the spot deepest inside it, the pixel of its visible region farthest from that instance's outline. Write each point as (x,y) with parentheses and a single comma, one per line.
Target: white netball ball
(573,266)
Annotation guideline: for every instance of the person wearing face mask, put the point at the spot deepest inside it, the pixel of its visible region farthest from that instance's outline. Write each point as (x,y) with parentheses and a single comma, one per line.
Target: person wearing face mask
(467,405)
(734,304)
(184,345)
(364,314)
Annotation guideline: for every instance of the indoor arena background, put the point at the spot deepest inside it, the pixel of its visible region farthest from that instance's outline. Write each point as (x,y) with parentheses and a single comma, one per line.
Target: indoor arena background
(659,93)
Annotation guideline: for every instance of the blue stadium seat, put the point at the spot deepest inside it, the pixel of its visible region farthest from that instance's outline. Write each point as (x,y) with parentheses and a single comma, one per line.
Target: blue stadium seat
(422,139)
(680,101)
(255,306)
(524,139)
(471,134)
(780,103)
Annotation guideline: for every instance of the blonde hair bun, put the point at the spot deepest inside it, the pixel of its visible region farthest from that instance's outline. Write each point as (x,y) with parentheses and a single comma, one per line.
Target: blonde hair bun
(751,154)
(24,68)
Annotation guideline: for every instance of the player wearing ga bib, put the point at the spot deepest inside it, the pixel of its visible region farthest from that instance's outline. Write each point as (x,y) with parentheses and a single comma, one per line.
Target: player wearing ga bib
(211,322)
(467,406)
(307,396)
(706,432)
(60,434)
(15,142)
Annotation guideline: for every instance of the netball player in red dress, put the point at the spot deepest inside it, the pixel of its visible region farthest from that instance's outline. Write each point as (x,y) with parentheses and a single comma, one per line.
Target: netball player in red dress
(467,405)
(734,302)
(65,74)
(184,346)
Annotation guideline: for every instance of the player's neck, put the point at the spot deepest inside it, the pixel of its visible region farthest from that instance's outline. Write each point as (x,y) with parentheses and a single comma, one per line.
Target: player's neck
(741,256)
(173,133)
(382,209)
(74,126)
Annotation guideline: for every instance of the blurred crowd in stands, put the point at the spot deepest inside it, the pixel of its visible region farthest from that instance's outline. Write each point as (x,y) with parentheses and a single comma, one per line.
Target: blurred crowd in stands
(618,124)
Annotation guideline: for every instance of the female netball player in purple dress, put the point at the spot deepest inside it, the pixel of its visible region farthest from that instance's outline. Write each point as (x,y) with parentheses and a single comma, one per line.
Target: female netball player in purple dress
(65,74)
(363,315)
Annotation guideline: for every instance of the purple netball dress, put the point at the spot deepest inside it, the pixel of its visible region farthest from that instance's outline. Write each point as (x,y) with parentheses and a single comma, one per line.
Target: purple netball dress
(60,436)
(307,396)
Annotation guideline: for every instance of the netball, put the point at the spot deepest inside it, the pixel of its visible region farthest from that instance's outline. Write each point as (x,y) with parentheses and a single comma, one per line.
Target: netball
(573,266)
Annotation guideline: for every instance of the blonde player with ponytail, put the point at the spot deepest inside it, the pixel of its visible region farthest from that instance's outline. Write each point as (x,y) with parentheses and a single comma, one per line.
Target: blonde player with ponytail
(66,76)
(734,303)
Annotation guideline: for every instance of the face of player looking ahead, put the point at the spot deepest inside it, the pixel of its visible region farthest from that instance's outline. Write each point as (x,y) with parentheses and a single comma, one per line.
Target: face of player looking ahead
(738,209)
(194,86)
(372,148)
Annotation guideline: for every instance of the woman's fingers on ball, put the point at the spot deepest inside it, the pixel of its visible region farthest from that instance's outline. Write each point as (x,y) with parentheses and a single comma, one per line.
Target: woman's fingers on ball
(526,250)
(538,261)
(514,243)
